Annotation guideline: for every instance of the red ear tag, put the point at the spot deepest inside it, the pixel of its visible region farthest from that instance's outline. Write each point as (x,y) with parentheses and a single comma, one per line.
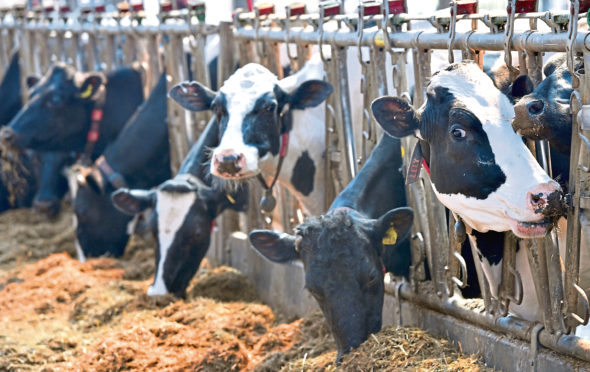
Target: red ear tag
(383,269)
(96,115)
(416,162)
(212,227)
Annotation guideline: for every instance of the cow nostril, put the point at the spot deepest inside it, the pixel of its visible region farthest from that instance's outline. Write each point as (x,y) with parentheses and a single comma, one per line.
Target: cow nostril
(535,107)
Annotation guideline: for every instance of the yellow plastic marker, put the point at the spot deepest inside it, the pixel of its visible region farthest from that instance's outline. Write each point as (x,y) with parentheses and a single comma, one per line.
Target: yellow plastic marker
(231,200)
(390,236)
(87,92)
(403,152)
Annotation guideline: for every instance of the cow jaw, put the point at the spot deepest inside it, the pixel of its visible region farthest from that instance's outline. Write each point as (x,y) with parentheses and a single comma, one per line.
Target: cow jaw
(172,209)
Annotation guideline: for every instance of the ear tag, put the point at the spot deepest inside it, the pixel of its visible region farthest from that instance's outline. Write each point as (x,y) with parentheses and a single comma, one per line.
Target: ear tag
(415,165)
(268,201)
(87,92)
(390,236)
(231,200)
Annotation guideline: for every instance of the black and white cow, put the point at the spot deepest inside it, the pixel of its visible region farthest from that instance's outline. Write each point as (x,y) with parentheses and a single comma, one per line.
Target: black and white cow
(57,116)
(139,158)
(343,251)
(184,210)
(259,117)
(480,169)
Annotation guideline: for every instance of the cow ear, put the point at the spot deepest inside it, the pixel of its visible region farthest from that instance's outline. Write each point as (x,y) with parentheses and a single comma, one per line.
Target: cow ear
(192,96)
(394,226)
(91,178)
(276,247)
(132,202)
(522,86)
(90,86)
(310,94)
(32,81)
(396,116)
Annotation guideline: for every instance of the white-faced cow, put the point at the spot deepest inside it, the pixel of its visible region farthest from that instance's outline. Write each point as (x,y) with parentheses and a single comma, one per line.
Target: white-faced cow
(480,169)
(185,209)
(139,158)
(259,118)
(343,251)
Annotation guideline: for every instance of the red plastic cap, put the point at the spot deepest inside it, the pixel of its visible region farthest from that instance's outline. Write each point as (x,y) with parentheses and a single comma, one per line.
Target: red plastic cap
(137,6)
(297,9)
(526,6)
(466,7)
(331,9)
(265,8)
(49,8)
(397,7)
(371,8)
(64,8)
(584,5)
(165,6)
(99,8)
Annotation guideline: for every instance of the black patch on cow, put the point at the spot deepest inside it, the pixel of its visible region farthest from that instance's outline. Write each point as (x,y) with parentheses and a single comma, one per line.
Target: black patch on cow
(260,127)
(303,174)
(490,245)
(465,165)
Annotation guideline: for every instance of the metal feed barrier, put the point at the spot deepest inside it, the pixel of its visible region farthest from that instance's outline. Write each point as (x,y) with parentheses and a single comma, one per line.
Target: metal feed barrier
(434,242)
(381,37)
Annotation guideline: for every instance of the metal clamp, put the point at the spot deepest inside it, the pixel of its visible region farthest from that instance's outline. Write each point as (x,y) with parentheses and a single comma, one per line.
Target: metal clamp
(398,297)
(571,39)
(535,345)
(583,168)
(287,29)
(452,28)
(508,34)
(332,10)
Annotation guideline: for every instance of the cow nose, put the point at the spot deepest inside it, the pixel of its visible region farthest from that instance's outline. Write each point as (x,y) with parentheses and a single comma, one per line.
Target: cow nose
(547,199)
(7,135)
(229,162)
(535,107)
(49,208)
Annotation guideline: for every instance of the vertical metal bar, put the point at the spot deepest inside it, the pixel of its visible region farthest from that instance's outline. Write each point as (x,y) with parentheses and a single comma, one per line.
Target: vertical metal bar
(537,259)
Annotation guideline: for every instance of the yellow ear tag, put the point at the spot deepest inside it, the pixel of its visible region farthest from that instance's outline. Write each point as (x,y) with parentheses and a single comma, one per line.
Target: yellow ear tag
(390,237)
(403,152)
(231,200)
(87,92)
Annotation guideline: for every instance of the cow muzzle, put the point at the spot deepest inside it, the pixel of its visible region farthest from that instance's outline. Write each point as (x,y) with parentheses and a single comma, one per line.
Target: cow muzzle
(48,207)
(7,136)
(228,164)
(528,115)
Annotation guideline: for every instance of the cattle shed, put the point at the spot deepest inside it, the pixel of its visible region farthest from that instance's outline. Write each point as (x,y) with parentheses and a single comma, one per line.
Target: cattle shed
(386,50)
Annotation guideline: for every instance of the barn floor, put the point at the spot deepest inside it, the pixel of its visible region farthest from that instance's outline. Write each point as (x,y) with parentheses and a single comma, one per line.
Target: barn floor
(58,314)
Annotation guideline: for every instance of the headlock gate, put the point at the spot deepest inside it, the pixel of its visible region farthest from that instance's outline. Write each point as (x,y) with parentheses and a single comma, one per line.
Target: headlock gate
(381,38)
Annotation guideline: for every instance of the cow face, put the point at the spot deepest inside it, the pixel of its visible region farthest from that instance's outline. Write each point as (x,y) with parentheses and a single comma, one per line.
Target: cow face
(57,114)
(480,168)
(343,266)
(252,110)
(100,228)
(184,211)
(545,113)
(52,183)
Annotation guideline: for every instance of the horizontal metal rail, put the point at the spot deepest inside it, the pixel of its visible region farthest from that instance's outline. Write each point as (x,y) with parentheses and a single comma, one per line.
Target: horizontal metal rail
(566,344)
(78,28)
(532,41)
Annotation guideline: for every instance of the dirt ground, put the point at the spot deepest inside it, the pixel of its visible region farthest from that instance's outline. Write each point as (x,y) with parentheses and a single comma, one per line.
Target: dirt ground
(57,314)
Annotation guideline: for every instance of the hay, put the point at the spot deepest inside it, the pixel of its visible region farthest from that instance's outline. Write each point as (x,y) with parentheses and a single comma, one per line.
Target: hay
(16,168)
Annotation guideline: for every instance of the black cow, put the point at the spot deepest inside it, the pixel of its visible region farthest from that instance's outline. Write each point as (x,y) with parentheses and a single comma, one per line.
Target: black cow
(58,114)
(185,209)
(545,113)
(342,251)
(139,157)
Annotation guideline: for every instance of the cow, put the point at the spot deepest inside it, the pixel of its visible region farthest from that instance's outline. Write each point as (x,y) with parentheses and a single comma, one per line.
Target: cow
(343,250)
(479,167)
(61,106)
(139,158)
(40,182)
(184,211)
(259,118)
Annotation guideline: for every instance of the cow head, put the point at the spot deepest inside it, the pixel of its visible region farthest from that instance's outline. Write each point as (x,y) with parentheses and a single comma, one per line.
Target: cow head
(57,114)
(342,258)
(184,212)
(545,113)
(52,183)
(480,168)
(252,110)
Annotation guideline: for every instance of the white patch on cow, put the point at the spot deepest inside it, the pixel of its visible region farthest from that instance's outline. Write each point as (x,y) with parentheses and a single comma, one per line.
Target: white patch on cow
(241,91)
(71,174)
(79,251)
(476,91)
(172,209)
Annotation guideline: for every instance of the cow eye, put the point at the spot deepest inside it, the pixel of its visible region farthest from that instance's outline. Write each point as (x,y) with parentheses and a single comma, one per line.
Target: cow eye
(270,107)
(457,132)
(373,278)
(54,101)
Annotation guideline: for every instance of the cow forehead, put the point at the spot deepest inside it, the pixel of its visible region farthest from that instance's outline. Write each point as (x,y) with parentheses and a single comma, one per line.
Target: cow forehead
(246,85)
(476,91)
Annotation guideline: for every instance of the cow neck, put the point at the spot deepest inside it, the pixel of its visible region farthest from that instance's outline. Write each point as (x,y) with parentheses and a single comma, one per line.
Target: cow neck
(268,202)
(114,178)
(94,132)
